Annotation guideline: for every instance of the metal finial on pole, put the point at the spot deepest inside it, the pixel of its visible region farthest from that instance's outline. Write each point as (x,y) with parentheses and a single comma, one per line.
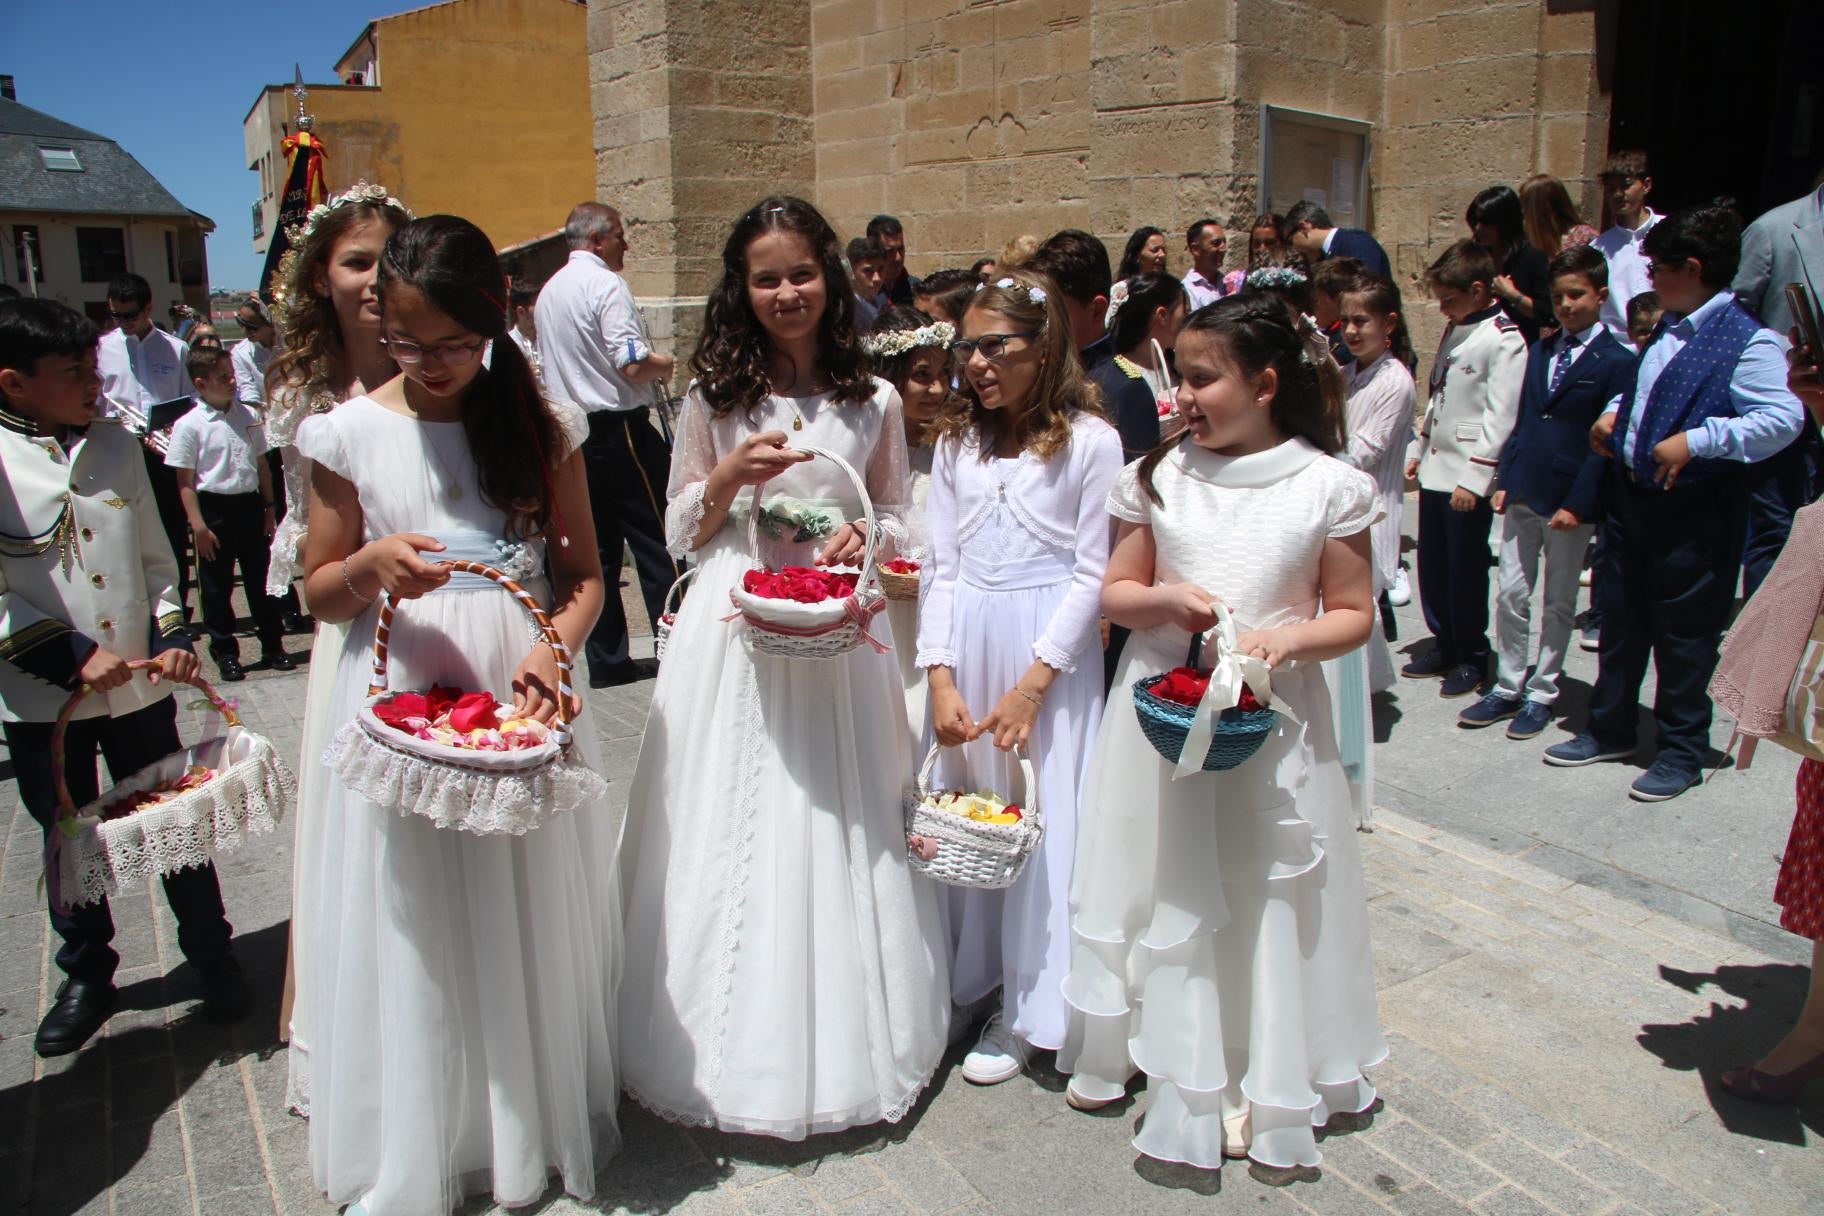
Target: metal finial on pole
(304,120)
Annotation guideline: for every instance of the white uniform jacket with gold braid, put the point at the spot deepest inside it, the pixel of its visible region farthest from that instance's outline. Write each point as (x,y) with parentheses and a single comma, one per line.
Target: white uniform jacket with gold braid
(1473,403)
(83,563)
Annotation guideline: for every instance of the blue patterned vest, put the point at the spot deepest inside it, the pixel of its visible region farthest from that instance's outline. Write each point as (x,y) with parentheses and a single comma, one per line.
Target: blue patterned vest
(1694,386)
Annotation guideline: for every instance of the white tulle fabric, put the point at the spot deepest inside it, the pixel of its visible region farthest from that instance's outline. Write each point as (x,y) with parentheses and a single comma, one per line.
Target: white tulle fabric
(456,991)
(290,406)
(1219,923)
(902,615)
(785,972)
(1007,589)
(248,795)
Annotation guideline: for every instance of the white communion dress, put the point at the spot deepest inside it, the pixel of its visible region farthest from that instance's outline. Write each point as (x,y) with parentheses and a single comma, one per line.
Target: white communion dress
(787,974)
(459,988)
(1219,922)
(902,615)
(1021,546)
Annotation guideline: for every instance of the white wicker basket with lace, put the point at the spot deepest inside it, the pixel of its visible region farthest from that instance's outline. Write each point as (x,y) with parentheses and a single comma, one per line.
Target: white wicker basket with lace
(963,852)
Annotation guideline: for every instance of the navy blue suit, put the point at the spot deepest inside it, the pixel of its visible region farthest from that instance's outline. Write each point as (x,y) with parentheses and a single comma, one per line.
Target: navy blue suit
(1354,243)
(1548,462)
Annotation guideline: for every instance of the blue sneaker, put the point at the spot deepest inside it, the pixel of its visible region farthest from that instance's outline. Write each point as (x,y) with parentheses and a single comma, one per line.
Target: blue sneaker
(1428,666)
(1665,780)
(1584,749)
(1463,679)
(1489,710)
(1533,717)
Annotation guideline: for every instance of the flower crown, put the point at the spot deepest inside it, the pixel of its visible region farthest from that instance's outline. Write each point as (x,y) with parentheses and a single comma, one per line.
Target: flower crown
(1275,276)
(1034,296)
(894,342)
(360,192)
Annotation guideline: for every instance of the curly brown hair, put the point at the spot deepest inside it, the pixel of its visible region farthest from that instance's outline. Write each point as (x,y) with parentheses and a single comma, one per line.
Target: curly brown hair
(731,356)
(1062,389)
(313,353)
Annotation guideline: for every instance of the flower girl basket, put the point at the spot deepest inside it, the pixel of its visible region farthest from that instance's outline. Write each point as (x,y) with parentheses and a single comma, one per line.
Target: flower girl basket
(970,853)
(824,630)
(668,615)
(484,792)
(898,586)
(245,791)
(1216,730)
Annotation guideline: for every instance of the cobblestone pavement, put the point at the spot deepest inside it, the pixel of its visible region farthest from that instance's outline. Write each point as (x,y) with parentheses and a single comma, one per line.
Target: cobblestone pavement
(1555,1048)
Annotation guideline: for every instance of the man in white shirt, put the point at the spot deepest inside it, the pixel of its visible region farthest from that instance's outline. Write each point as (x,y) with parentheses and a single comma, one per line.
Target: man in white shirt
(1627,182)
(523,299)
(142,366)
(1208,245)
(595,353)
(253,353)
(218,451)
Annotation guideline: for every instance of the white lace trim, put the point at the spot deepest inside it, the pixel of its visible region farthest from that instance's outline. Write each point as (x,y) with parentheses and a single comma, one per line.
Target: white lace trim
(507,803)
(747,796)
(684,519)
(895,529)
(297,1079)
(248,795)
(936,658)
(287,546)
(1054,656)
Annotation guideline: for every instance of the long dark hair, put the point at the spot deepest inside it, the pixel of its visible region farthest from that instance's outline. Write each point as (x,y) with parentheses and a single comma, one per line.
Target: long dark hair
(1130,257)
(1260,331)
(1499,208)
(511,431)
(1380,295)
(731,355)
(1144,293)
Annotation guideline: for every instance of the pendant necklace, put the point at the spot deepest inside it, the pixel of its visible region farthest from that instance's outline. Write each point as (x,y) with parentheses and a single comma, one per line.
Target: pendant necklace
(454,482)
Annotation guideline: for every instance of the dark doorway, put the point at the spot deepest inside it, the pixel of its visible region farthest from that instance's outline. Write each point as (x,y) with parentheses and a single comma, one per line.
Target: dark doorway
(1727,99)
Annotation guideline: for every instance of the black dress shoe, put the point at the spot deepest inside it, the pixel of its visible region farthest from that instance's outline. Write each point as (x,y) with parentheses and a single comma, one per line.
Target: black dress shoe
(226,996)
(296,622)
(230,670)
(278,660)
(77,1012)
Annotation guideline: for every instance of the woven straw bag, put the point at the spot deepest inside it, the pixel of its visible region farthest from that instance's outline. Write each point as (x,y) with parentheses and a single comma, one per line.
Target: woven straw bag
(970,853)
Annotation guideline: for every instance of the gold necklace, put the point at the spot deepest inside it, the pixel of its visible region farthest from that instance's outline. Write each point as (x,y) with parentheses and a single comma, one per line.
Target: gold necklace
(454,482)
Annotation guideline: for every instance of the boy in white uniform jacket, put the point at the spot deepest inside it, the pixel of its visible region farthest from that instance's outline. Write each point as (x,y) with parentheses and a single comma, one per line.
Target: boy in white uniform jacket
(87,584)
(1473,403)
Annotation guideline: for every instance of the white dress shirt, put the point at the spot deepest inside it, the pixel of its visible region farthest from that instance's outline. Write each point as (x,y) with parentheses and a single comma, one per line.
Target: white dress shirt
(221,446)
(1627,272)
(250,360)
(1200,291)
(142,372)
(588,331)
(1769,414)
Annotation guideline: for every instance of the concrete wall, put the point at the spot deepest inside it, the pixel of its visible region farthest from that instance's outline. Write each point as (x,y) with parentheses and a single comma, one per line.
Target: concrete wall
(60,269)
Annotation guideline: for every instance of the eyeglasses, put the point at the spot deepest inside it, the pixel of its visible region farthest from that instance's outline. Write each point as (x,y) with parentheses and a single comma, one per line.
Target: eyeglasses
(455,354)
(252,323)
(992,346)
(129,315)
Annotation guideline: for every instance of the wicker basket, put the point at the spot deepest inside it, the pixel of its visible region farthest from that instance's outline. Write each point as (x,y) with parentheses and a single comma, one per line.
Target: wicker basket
(668,616)
(483,792)
(88,856)
(825,630)
(971,853)
(1236,734)
(898,586)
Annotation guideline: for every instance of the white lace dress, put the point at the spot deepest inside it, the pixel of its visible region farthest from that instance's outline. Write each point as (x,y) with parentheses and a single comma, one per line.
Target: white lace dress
(1021,546)
(786,970)
(902,615)
(1219,924)
(458,989)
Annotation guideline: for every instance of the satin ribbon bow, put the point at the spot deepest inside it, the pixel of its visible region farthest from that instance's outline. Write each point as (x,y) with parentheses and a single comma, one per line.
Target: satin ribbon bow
(1229,670)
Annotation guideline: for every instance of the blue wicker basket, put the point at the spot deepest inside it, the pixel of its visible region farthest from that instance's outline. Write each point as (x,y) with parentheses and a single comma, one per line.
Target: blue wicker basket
(1237,733)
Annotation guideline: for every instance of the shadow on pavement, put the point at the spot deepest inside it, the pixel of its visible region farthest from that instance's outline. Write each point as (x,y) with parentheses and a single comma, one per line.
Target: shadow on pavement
(1712,1043)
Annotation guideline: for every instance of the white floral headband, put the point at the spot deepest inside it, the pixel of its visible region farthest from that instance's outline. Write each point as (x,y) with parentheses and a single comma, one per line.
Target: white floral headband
(1034,296)
(1276,276)
(360,192)
(899,341)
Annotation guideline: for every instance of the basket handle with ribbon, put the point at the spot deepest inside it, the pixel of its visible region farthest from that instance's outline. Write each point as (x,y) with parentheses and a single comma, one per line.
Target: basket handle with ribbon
(872,543)
(66,805)
(1230,669)
(560,721)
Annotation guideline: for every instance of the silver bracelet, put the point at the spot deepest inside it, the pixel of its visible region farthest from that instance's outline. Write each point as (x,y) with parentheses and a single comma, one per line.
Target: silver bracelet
(352,589)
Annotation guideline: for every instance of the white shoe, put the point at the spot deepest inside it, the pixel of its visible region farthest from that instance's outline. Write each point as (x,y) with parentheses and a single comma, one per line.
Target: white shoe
(1237,1135)
(1583,578)
(998,1056)
(1590,637)
(1400,594)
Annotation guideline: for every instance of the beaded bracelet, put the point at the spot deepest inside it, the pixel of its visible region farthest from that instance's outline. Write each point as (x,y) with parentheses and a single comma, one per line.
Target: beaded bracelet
(352,589)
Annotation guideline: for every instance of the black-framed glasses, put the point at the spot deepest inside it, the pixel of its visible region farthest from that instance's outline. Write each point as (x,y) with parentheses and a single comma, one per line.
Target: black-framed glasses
(453,354)
(252,323)
(992,346)
(129,315)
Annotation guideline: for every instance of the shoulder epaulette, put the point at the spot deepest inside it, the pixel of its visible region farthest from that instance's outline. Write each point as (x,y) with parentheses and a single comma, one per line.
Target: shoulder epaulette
(1505,323)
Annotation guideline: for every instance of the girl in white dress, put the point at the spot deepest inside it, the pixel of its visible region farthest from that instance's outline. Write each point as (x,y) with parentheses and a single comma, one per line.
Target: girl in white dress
(1381,400)
(911,351)
(329,316)
(460,992)
(1219,925)
(1017,518)
(786,975)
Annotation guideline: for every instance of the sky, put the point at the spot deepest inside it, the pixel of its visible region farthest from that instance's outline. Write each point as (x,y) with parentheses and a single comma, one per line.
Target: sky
(171,85)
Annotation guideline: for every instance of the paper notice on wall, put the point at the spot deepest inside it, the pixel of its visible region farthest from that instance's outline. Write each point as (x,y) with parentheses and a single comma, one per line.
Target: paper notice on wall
(1342,189)
(1315,194)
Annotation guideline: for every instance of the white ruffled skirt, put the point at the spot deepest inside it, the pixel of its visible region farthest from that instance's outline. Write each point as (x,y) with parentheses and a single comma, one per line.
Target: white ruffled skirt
(786,971)
(456,991)
(1220,933)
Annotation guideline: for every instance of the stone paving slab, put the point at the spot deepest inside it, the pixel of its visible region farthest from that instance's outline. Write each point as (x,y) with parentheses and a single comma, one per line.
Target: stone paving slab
(1555,1046)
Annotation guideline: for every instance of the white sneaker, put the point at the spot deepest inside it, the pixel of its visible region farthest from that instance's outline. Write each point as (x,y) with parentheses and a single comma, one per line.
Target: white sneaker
(1400,594)
(1590,637)
(998,1056)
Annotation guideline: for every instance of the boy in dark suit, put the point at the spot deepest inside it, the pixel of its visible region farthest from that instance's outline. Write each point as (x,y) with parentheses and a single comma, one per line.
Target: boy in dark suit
(1547,491)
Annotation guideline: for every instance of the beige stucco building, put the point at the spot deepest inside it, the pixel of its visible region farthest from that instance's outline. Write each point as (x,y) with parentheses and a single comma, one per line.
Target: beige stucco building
(975,120)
